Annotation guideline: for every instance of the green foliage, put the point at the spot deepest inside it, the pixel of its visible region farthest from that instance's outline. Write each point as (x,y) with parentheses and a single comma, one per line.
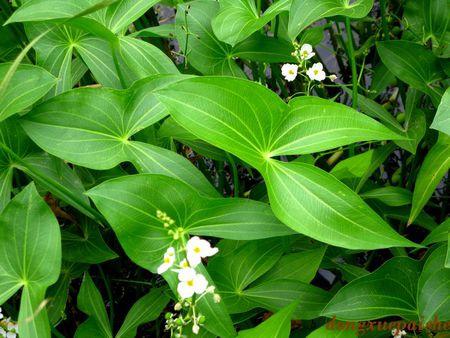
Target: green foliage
(128,128)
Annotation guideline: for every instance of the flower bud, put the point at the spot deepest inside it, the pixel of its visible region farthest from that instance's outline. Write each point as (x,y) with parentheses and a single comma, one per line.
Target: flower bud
(177,307)
(168,315)
(217,298)
(195,328)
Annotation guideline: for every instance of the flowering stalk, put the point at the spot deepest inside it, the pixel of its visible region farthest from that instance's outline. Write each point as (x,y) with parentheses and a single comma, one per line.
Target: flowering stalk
(314,73)
(192,285)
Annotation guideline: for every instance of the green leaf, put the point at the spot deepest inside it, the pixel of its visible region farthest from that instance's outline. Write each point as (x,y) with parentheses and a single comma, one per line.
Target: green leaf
(237,278)
(411,292)
(441,120)
(204,51)
(434,287)
(439,234)
(304,12)
(299,266)
(303,129)
(30,256)
(58,293)
(134,200)
(41,10)
(389,291)
(86,244)
(28,84)
(90,301)
(145,310)
(144,59)
(356,170)
(434,167)
(329,211)
(277,326)
(122,13)
(393,196)
(255,127)
(92,127)
(98,120)
(237,20)
(261,48)
(413,64)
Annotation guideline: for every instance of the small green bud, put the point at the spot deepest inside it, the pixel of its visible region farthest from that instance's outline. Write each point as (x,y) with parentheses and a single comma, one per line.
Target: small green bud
(168,315)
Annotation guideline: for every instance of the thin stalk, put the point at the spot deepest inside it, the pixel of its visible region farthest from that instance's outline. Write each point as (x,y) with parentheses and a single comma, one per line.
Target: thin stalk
(352,61)
(384,24)
(110,296)
(235,175)
(56,333)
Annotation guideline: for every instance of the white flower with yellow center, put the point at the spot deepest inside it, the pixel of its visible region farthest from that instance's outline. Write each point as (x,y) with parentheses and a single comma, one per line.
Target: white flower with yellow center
(191,282)
(197,249)
(306,52)
(289,71)
(169,259)
(316,72)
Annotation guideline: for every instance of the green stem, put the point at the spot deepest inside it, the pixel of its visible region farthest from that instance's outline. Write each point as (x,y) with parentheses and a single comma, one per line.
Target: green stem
(352,61)
(384,23)
(56,333)
(235,175)
(110,296)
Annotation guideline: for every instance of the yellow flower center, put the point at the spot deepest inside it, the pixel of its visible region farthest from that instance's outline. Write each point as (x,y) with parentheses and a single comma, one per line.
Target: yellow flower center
(185,264)
(190,282)
(291,72)
(197,249)
(167,260)
(305,54)
(316,72)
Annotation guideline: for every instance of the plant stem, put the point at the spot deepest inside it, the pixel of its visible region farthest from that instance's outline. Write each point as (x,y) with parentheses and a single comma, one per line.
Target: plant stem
(384,23)
(235,175)
(110,296)
(352,61)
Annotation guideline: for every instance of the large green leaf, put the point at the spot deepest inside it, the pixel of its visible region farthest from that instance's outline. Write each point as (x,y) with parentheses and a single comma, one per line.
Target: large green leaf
(146,309)
(385,292)
(316,204)
(133,200)
(92,128)
(434,167)
(414,293)
(439,234)
(413,64)
(237,278)
(433,297)
(41,10)
(30,257)
(304,12)
(28,85)
(313,124)
(251,122)
(237,20)
(441,120)
(204,51)
(277,326)
(85,244)
(91,303)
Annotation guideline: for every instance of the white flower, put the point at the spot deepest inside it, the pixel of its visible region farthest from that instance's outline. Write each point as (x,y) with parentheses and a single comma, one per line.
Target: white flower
(11,335)
(195,328)
(306,52)
(1,314)
(169,259)
(197,249)
(332,77)
(397,333)
(316,72)
(191,282)
(2,332)
(184,264)
(289,71)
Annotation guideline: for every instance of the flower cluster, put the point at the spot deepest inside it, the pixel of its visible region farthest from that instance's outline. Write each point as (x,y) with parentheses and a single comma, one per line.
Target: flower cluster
(398,334)
(303,54)
(192,285)
(8,328)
